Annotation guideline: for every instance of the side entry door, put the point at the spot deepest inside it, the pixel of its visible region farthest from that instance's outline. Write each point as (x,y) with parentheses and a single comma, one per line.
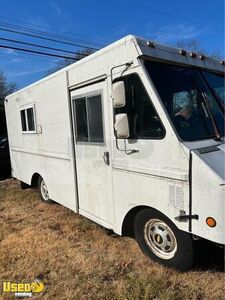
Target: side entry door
(91,122)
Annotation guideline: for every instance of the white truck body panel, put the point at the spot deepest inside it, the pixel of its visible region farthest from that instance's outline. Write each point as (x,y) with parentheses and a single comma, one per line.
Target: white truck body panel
(208,186)
(156,176)
(50,152)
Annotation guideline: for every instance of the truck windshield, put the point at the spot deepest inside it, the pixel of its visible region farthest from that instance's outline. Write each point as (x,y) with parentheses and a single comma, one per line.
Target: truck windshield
(216,82)
(193,109)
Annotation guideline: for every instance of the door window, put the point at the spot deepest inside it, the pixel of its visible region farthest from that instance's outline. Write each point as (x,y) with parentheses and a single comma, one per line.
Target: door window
(94,108)
(88,119)
(81,120)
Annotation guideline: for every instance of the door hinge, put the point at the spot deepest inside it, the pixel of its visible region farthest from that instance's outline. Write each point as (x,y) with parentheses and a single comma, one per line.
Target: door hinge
(184,217)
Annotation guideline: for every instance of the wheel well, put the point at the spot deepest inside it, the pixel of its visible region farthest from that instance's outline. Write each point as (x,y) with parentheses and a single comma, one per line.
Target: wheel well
(128,222)
(34,180)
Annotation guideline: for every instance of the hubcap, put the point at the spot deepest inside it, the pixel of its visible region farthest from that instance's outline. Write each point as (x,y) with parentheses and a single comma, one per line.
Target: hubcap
(160,239)
(44,190)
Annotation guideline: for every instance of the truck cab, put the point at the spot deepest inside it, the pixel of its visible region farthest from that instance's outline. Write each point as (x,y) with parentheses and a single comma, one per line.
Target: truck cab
(176,135)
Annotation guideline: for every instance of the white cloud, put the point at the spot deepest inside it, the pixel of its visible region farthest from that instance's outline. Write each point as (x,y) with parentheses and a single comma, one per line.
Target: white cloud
(15,74)
(56,8)
(37,22)
(17,60)
(172,33)
(10,51)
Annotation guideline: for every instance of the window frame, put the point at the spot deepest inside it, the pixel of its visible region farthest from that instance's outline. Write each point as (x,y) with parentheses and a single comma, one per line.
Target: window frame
(86,96)
(151,103)
(25,108)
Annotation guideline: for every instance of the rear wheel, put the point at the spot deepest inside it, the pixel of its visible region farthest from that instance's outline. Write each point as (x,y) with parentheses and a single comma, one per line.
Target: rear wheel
(162,241)
(43,190)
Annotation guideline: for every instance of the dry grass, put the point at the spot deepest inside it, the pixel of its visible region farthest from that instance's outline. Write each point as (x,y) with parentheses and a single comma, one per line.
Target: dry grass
(78,260)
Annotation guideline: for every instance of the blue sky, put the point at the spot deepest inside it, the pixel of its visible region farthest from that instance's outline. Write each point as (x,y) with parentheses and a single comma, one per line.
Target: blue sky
(102,22)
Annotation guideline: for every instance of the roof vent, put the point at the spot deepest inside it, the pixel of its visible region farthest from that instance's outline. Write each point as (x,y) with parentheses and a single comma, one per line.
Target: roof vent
(193,54)
(183,52)
(202,57)
(151,44)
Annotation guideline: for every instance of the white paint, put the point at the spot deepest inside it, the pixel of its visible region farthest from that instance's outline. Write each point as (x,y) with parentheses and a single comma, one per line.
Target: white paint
(156,176)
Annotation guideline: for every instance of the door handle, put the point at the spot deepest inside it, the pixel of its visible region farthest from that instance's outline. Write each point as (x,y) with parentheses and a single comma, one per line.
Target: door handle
(106,158)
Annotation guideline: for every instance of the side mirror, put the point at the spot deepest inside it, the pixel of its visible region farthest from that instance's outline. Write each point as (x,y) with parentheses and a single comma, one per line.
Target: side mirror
(122,126)
(119,97)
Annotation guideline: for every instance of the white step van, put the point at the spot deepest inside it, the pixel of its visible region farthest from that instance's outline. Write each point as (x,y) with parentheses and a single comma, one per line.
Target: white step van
(131,137)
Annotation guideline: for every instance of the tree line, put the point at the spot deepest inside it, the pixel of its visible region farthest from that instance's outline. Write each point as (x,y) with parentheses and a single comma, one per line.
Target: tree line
(6,88)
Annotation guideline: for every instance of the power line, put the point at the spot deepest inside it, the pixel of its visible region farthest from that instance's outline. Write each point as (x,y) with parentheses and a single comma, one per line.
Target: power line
(88,43)
(41,46)
(18,55)
(44,38)
(37,52)
(45,27)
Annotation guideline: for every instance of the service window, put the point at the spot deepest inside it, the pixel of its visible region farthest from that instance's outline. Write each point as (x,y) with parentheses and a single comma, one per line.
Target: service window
(28,119)
(88,119)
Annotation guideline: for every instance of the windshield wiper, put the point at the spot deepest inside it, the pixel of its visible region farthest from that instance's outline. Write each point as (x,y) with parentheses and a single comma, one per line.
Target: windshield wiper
(207,106)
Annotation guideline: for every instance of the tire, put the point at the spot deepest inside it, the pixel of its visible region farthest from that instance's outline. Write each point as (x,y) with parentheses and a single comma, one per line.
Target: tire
(43,190)
(162,241)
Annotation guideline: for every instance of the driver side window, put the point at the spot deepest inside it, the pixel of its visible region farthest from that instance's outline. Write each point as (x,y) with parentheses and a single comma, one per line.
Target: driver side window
(144,121)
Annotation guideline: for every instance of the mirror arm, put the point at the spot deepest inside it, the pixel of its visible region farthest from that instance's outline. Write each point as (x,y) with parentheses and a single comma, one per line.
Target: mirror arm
(127,151)
(127,65)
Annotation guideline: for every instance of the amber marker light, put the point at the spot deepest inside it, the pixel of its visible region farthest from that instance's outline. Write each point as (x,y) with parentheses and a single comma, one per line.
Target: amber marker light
(211,222)
(193,54)
(151,44)
(183,52)
(202,57)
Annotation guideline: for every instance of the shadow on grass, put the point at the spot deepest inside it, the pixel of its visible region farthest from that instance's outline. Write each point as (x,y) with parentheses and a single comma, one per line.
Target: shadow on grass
(209,256)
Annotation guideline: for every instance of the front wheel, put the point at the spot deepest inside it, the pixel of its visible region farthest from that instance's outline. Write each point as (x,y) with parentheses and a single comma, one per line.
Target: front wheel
(162,241)
(43,190)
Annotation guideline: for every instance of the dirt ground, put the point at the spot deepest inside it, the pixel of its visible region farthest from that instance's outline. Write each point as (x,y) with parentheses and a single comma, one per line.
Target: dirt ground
(77,259)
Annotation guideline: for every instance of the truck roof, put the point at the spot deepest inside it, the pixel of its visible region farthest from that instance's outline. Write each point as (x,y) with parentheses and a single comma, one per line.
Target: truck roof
(178,55)
(145,48)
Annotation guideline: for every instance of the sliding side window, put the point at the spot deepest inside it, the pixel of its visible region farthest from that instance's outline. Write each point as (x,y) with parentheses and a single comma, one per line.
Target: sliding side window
(88,119)
(27,117)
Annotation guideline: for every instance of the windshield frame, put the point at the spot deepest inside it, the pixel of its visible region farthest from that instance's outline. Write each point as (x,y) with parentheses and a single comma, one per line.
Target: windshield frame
(144,58)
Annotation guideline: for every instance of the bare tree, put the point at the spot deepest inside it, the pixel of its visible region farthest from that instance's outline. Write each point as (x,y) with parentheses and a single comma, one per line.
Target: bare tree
(195,46)
(6,88)
(66,62)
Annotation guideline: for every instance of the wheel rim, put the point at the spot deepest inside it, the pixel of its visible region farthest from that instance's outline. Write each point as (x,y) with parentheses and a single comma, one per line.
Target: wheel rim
(160,239)
(44,190)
